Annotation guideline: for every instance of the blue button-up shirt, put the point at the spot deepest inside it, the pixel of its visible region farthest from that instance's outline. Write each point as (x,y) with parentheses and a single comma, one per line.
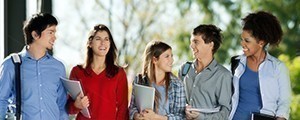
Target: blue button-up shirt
(43,96)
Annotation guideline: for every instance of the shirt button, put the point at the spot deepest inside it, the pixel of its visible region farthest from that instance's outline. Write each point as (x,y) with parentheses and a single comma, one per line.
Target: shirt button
(39,73)
(194,85)
(41,98)
(191,99)
(42,110)
(40,85)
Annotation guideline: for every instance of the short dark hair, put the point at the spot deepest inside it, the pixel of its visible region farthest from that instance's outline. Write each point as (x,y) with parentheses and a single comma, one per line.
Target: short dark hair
(209,33)
(38,23)
(263,26)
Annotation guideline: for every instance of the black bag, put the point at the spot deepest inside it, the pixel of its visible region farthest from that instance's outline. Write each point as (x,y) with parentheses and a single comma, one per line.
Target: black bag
(260,116)
(10,114)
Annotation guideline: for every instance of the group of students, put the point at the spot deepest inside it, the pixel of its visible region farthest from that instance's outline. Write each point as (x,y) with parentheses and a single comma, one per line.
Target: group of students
(203,90)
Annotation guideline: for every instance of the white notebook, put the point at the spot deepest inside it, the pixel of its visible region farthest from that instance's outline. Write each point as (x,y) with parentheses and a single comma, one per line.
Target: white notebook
(74,88)
(203,110)
(144,96)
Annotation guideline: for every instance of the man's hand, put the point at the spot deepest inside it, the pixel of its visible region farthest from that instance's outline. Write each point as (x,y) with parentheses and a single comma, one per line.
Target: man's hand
(190,115)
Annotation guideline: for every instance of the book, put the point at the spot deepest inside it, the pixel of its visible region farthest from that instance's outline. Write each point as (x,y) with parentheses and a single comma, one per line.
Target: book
(261,116)
(144,96)
(74,88)
(203,110)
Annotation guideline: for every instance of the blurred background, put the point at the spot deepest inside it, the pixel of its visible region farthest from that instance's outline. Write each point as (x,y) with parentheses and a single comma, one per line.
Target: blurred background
(134,23)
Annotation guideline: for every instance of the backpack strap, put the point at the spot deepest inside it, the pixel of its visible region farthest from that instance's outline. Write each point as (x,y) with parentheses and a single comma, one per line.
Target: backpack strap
(17,62)
(234,63)
(185,69)
(141,80)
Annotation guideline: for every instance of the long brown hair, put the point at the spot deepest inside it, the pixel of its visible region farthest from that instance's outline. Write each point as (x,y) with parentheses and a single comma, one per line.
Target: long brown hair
(111,57)
(155,49)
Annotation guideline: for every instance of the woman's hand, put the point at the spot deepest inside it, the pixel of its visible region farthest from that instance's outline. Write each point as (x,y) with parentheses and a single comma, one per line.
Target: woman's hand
(138,116)
(81,101)
(149,114)
(190,115)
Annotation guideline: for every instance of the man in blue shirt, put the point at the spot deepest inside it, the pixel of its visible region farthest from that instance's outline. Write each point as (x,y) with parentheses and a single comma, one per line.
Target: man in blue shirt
(43,95)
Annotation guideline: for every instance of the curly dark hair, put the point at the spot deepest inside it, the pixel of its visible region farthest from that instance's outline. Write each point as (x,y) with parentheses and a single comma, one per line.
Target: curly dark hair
(209,33)
(264,27)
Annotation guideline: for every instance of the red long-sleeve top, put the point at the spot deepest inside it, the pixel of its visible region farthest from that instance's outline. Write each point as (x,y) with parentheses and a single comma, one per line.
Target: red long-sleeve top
(108,96)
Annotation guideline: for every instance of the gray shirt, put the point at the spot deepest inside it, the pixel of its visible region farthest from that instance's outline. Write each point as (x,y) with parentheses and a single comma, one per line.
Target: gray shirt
(209,90)
(163,108)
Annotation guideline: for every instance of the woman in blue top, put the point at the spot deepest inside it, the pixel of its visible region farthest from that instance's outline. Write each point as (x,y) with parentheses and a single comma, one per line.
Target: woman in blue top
(169,101)
(261,82)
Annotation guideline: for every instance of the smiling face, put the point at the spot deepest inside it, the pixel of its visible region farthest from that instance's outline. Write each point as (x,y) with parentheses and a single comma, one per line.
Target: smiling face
(199,48)
(100,43)
(164,62)
(250,44)
(47,37)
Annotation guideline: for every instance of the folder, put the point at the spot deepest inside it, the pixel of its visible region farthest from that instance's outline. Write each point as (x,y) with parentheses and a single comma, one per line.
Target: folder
(144,96)
(74,88)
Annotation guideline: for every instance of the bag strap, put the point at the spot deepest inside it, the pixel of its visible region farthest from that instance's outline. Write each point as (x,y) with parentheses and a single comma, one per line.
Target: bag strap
(142,80)
(185,69)
(234,63)
(17,62)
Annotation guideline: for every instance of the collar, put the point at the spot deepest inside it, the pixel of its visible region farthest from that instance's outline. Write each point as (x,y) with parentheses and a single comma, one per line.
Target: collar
(268,57)
(25,53)
(210,66)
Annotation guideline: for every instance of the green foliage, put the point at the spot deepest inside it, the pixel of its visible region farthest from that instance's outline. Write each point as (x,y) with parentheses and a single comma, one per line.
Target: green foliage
(294,68)
(295,108)
(182,44)
(287,11)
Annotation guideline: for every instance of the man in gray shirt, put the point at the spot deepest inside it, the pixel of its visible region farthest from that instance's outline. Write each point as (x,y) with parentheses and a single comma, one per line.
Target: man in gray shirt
(208,85)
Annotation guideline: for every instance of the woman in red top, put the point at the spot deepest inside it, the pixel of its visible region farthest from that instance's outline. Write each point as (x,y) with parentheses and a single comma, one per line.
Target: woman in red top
(104,83)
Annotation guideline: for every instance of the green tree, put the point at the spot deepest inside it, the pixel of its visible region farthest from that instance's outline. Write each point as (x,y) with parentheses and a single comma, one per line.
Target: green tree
(294,68)
(287,12)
